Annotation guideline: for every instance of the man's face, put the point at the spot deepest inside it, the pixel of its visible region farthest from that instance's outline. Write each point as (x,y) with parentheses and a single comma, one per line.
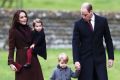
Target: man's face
(85,14)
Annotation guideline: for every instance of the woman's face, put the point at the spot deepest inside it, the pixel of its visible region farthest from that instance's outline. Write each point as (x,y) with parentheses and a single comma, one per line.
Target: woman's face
(22,18)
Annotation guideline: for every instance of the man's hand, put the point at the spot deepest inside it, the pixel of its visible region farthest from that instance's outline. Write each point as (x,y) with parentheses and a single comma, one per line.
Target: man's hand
(13,67)
(110,63)
(77,65)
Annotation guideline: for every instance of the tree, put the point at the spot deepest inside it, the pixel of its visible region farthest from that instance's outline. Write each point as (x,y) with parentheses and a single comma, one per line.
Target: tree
(5,1)
(19,3)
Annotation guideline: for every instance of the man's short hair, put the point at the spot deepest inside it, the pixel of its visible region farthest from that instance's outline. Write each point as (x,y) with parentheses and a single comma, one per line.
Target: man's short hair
(87,5)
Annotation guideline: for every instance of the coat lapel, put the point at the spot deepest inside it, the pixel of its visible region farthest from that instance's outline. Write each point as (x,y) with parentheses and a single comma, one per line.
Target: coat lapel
(21,35)
(86,26)
(96,23)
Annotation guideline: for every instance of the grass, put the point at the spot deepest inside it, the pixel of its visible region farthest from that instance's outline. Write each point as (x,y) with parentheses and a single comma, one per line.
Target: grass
(72,5)
(50,64)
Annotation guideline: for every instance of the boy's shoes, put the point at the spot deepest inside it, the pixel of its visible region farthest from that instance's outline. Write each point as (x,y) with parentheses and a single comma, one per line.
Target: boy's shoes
(27,65)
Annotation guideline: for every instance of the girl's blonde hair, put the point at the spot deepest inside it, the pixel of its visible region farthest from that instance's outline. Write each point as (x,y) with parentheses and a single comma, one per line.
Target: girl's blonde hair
(37,20)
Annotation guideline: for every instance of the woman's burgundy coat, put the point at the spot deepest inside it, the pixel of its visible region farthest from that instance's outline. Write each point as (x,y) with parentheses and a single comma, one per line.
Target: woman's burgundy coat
(19,39)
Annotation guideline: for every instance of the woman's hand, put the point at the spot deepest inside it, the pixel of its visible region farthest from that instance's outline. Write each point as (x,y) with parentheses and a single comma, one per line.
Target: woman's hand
(13,67)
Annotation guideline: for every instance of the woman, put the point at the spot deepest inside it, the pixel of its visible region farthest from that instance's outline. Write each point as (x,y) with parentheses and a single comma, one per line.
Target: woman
(20,39)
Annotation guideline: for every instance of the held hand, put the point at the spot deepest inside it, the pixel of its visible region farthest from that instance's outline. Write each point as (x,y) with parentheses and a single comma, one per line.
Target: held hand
(110,63)
(77,65)
(13,67)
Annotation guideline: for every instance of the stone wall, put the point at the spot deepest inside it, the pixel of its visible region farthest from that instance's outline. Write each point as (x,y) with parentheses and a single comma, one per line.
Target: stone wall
(58,26)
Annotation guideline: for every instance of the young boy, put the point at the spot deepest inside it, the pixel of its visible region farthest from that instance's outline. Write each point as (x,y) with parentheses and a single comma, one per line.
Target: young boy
(63,72)
(39,43)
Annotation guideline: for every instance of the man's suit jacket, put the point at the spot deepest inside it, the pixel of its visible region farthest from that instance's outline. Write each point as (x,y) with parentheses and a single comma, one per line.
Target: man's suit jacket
(86,42)
(89,50)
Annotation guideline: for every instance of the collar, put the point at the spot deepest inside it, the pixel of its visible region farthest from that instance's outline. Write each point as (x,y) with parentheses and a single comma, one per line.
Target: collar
(58,66)
(93,17)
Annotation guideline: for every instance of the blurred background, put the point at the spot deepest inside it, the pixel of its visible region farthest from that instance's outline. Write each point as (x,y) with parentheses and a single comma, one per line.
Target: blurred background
(58,17)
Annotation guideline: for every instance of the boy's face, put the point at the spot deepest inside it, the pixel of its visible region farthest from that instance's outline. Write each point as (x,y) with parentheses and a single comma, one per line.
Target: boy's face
(86,15)
(38,27)
(63,63)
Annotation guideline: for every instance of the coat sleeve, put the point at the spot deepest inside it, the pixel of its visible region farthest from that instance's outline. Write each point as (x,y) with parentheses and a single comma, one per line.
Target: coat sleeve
(11,46)
(41,50)
(74,74)
(38,40)
(53,77)
(76,43)
(108,41)
(40,47)
(40,37)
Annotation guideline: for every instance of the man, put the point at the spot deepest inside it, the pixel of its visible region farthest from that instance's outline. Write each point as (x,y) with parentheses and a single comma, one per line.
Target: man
(88,50)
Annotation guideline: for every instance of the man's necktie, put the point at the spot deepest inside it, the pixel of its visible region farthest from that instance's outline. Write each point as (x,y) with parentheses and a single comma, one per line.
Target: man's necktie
(90,25)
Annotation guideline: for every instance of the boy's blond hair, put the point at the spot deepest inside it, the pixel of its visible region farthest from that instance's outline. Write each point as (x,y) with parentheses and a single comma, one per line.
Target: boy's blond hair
(63,56)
